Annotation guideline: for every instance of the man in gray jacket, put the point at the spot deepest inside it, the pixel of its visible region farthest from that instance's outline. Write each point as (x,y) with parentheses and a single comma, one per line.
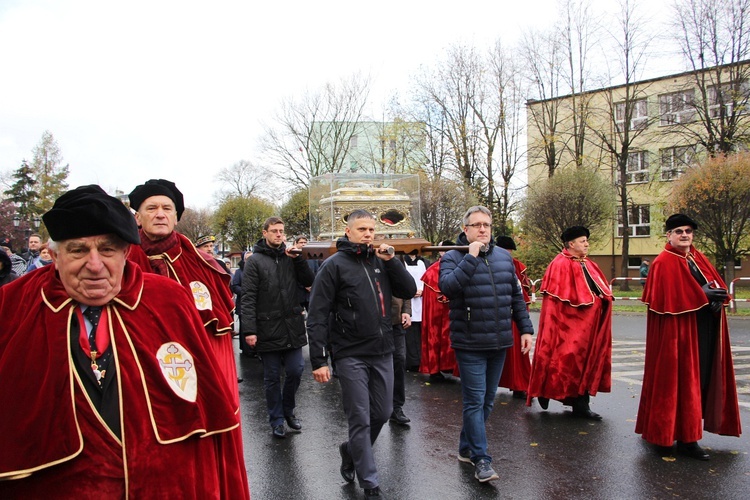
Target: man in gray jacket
(485,297)
(273,322)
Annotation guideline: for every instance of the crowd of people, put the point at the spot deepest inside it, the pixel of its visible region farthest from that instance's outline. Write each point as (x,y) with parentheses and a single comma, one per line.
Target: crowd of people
(130,334)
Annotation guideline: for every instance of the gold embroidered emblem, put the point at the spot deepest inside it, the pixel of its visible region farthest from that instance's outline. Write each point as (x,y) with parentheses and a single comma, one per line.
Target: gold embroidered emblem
(201,296)
(179,370)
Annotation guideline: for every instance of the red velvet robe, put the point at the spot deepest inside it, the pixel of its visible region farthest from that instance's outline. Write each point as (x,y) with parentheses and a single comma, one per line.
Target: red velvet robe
(53,441)
(573,350)
(437,354)
(517,368)
(671,405)
(209,287)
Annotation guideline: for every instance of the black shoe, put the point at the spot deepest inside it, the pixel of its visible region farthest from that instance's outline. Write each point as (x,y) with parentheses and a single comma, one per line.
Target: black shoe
(586,413)
(692,450)
(436,377)
(347,464)
(293,423)
(279,432)
(543,402)
(398,417)
(373,492)
(520,395)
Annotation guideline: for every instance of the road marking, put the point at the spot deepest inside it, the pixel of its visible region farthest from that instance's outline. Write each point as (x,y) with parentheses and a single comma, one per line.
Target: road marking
(627,355)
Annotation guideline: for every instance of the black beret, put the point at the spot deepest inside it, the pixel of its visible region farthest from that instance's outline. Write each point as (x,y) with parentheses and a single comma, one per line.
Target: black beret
(574,232)
(446,243)
(157,187)
(679,220)
(89,211)
(505,242)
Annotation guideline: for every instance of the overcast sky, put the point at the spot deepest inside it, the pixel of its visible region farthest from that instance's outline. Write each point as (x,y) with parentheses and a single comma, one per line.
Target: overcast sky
(179,89)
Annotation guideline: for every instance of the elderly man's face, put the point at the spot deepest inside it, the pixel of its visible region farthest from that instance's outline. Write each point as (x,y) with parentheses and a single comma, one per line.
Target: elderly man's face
(91,268)
(681,238)
(479,228)
(579,247)
(34,243)
(157,216)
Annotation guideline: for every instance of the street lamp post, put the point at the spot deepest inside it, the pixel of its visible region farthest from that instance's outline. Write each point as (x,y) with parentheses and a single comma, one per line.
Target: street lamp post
(18,221)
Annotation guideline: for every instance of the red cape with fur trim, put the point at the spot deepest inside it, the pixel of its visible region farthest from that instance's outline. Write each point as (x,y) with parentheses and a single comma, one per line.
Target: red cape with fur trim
(573,350)
(670,406)
(52,435)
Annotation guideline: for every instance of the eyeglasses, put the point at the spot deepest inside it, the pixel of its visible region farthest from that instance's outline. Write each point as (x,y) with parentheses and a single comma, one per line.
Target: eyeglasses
(480,225)
(678,232)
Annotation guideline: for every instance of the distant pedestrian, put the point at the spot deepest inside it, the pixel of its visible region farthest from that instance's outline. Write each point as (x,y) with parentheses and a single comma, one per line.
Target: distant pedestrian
(416,267)
(643,271)
(688,379)
(401,319)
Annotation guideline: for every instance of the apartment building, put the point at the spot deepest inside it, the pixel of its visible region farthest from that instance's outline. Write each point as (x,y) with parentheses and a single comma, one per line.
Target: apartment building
(663,121)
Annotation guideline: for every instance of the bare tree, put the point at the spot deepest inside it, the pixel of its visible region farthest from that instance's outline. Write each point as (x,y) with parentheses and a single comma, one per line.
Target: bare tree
(444,203)
(541,53)
(196,222)
(715,42)
(312,135)
(624,116)
(451,87)
(243,179)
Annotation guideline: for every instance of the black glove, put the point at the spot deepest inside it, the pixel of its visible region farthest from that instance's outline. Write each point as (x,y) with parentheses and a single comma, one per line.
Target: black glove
(714,294)
(716,307)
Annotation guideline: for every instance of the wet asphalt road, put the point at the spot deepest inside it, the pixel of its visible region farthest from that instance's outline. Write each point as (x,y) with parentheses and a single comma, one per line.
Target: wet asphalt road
(538,454)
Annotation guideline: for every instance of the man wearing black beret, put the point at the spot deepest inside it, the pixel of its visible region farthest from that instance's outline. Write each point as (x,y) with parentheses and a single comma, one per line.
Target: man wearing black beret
(106,379)
(158,205)
(688,380)
(573,351)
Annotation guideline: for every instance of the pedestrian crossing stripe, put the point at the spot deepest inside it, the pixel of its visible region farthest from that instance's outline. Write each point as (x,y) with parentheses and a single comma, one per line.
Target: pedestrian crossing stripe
(628,354)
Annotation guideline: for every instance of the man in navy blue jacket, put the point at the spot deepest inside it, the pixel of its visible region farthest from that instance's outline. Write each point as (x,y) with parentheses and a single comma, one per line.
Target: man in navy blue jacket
(485,297)
(353,288)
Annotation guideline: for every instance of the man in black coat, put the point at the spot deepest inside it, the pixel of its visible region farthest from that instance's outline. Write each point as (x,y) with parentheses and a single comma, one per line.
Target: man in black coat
(273,322)
(353,288)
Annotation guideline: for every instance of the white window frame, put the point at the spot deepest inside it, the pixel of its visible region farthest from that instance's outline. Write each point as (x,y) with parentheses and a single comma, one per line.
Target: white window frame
(639,118)
(729,101)
(637,169)
(674,160)
(639,221)
(677,107)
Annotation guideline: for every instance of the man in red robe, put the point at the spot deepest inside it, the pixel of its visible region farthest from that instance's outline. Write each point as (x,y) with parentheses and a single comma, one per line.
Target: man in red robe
(688,376)
(437,355)
(517,368)
(158,205)
(107,382)
(573,351)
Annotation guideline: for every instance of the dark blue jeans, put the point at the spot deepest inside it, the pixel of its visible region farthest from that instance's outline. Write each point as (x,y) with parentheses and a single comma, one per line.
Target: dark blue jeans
(281,403)
(480,374)
(399,367)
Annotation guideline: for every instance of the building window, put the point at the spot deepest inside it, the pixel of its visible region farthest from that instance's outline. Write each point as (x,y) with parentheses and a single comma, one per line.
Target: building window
(353,141)
(677,107)
(738,263)
(729,97)
(639,118)
(675,160)
(637,170)
(639,221)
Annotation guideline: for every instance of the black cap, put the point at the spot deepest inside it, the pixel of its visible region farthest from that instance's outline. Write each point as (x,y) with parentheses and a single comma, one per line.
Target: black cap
(505,242)
(574,232)
(202,240)
(157,187)
(679,220)
(89,211)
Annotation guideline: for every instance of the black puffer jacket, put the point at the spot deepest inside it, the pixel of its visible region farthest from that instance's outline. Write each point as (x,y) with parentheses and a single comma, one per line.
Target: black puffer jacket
(270,306)
(353,289)
(485,298)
